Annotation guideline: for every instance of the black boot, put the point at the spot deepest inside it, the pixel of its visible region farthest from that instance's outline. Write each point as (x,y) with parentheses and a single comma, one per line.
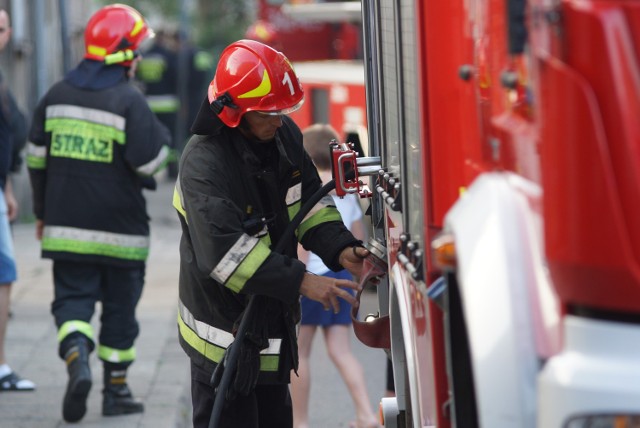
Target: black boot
(117,398)
(75,351)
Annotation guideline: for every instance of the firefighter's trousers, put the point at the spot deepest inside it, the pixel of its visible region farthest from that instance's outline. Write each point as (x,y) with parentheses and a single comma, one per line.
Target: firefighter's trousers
(79,286)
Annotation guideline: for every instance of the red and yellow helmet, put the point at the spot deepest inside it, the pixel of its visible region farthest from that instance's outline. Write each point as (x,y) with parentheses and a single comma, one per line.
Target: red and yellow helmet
(114,33)
(252,76)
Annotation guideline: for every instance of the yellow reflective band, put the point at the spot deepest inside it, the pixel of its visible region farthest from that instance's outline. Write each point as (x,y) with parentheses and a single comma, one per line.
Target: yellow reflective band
(294,209)
(36,156)
(323,215)
(189,331)
(269,363)
(113,355)
(263,89)
(73,326)
(177,203)
(326,201)
(95,242)
(248,267)
(96,50)
(139,24)
(232,259)
(266,240)
(208,350)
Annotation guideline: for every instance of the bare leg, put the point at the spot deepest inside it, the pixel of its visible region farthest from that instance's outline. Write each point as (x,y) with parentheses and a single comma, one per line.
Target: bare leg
(301,384)
(5,295)
(339,347)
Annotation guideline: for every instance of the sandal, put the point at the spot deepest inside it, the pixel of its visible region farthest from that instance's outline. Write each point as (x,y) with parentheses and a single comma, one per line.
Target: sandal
(13,382)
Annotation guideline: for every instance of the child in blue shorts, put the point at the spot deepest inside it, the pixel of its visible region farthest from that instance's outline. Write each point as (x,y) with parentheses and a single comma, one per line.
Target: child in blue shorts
(336,326)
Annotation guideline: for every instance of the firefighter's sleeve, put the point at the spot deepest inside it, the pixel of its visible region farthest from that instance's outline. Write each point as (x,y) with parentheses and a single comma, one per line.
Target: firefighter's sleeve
(147,139)
(322,231)
(222,249)
(37,159)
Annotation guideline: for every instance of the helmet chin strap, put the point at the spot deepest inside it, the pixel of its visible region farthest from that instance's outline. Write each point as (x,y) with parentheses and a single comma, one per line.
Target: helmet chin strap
(221,102)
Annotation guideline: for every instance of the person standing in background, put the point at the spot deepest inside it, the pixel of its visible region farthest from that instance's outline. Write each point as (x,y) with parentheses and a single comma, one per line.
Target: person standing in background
(94,146)
(158,74)
(9,156)
(198,64)
(335,326)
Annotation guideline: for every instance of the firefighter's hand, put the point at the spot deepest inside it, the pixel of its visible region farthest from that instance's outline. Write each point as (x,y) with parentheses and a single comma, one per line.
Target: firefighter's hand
(327,290)
(39,229)
(351,259)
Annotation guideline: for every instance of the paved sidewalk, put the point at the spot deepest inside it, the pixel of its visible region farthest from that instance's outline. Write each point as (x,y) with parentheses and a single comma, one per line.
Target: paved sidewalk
(160,374)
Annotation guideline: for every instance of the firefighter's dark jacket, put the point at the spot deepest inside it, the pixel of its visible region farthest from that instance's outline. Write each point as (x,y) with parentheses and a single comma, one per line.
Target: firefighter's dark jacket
(223,192)
(93,145)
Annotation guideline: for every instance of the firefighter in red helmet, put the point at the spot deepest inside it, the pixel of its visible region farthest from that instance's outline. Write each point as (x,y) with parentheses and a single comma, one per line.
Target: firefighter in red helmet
(256,78)
(114,33)
(93,146)
(242,178)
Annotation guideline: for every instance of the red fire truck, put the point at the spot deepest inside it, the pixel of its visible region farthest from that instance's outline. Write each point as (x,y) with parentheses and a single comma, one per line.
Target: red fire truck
(507,202)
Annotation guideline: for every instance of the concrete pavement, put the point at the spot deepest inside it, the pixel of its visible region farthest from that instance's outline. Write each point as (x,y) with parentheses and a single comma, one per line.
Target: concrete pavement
(160,374)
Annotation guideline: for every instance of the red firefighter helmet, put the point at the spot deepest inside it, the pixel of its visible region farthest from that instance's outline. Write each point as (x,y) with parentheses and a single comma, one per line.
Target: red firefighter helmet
(114,33)
(252,76)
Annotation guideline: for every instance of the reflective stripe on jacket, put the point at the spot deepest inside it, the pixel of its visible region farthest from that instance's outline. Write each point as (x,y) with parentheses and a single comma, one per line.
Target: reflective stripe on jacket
(90,154)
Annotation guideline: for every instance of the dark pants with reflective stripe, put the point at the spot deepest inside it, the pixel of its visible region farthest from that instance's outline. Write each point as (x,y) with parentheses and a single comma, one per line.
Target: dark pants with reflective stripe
(268,406)
(78,286)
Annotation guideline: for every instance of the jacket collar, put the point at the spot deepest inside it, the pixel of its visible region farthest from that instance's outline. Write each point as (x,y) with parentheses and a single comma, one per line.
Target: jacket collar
(95,75)
(206,121)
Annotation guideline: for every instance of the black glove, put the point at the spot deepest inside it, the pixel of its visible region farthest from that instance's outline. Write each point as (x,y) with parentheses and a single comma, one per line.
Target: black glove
(256,338)
(247,368)
(245,372)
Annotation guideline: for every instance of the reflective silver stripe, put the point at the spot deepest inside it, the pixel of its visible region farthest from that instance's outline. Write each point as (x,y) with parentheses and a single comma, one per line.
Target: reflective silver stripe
(89,114)
(233,258)
(36,151)
(97,236)
(294,194)
(216,335)
(152,167)
(205,331)
(163,101)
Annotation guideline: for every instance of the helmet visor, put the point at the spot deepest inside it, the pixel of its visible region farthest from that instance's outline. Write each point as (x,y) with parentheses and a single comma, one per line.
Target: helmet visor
(282,111)
(147,42)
